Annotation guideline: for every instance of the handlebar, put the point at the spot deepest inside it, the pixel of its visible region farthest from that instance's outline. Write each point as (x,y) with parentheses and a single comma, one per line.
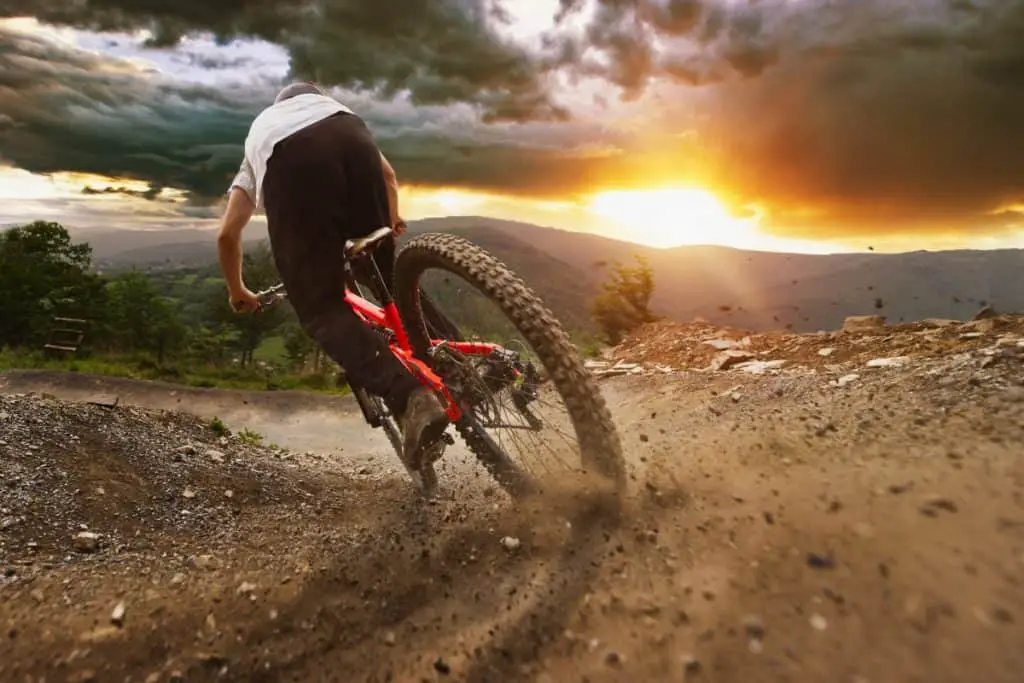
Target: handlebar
(271,295)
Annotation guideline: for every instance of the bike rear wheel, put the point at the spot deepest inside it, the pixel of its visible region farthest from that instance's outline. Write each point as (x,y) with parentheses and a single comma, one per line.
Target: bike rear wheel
(596,450)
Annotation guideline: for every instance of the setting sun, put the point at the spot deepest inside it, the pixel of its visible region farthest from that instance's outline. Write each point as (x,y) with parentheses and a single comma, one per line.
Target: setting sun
(670,217)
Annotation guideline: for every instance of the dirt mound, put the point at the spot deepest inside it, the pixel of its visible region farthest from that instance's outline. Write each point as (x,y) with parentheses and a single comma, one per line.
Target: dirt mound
(669,346)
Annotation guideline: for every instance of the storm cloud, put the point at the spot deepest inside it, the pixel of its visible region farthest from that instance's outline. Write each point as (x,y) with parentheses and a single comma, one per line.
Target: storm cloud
(65,109)
(836,117)
(439,51)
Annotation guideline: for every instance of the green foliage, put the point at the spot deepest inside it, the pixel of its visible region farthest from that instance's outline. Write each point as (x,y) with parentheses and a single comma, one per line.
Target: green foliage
(247,436)
(625,299)
(42,275)
(219,428)
(172,325)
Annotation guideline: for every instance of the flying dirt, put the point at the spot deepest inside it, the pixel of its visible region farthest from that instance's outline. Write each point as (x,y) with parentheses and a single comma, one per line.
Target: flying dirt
(844,506)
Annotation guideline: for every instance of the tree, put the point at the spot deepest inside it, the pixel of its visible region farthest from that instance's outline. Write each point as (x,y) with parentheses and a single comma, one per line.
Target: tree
(624,302)
(42,275)
(140,319)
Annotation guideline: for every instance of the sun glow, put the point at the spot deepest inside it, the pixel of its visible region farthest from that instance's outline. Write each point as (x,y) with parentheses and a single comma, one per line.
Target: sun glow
(669,217)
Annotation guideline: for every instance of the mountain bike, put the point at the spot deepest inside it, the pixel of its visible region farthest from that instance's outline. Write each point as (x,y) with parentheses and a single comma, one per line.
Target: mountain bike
(486,387)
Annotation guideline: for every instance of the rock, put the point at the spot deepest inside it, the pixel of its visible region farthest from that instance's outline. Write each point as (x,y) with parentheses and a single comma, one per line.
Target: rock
(983,325)
(727,359)
(816,561)
(933,504)
(246,588)
(863,323)
(939,322)
(818,622)
(825,353)
(117,616)
(759,367)
(390,639)
(613,659)
(86,542)
(178,579)
(510,543)
(691,665)
(894,362)
(205,562)
(442,667)
(215,455)
(985,313)
(754,626)
(846,379)
(721,344)
(188,493)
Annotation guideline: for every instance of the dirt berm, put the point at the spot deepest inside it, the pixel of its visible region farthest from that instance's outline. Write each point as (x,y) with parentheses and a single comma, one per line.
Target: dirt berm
(784,524)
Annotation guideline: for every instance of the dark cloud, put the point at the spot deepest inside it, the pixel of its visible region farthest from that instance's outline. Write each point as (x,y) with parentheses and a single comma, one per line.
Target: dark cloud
(72,111)
(874,118)
(853,116)
(63,109)
(440,51)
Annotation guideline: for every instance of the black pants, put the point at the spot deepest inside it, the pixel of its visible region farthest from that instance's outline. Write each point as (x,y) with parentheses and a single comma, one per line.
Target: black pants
(324,185)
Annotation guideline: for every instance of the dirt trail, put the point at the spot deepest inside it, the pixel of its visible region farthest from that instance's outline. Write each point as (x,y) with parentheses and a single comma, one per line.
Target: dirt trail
(779,528)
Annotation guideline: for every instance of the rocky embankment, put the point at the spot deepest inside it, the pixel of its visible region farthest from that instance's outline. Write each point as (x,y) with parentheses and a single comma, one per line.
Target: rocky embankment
(865,343)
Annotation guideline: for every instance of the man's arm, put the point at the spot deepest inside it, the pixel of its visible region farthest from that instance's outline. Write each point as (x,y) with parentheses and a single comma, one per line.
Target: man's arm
(391,180)
(229,248)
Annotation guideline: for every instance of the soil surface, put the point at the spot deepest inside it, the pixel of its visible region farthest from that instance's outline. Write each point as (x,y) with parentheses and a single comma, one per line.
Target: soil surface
(789,524)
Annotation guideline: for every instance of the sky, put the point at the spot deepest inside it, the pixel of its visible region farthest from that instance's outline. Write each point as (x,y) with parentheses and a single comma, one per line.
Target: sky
(796,125)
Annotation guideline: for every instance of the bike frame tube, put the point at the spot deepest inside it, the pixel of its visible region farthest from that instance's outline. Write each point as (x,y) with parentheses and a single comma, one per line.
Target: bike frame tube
(387,317)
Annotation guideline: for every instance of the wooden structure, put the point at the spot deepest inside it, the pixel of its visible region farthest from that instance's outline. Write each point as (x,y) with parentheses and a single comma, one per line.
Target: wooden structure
(66,335)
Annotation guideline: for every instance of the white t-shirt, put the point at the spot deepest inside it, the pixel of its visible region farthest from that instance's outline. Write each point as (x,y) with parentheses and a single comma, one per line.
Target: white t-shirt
(274,124)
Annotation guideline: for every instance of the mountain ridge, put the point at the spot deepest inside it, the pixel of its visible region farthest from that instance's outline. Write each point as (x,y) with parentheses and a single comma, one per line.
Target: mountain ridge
(758,290)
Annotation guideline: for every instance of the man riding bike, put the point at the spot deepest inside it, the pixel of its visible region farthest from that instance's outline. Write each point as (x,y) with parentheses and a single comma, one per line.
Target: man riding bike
(316,169)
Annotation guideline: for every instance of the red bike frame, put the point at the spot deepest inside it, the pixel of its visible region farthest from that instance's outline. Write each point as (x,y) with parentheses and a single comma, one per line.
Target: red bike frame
(387,317)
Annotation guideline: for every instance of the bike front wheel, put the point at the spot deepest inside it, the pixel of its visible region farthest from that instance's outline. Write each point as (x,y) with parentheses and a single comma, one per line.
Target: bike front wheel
(531,411)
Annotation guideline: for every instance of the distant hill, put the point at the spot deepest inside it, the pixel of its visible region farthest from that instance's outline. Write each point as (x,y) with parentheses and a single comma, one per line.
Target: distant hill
(755,290)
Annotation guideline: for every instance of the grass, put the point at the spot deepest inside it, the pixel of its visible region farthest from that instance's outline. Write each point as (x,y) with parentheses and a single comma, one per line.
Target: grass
(177,372)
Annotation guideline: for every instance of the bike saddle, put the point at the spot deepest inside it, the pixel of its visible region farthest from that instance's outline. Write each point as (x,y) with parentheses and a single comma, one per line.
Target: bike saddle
(354,248)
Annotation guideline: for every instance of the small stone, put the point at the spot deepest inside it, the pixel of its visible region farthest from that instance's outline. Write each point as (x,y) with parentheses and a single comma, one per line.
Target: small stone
(229,494)
(390,639)
(862,323)
(117,616)
(691,665)
(442,667)
(825,353)
(816,561)
(847,379)
(728,359)
(894,362)
(178,579)
(613,659)
(934,504)
(37,595)
(204,562)
(818,622)
(754,626)
(188,493)
(644,438)
(246,588)
(86,542)
(511,543)
(215,455)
